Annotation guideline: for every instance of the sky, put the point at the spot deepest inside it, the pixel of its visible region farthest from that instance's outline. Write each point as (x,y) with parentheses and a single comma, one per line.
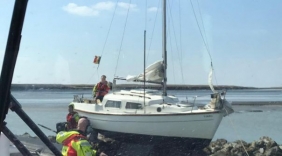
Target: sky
(61,38)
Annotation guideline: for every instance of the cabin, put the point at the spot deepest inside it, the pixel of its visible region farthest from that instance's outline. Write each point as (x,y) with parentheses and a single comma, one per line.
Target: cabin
(140,102)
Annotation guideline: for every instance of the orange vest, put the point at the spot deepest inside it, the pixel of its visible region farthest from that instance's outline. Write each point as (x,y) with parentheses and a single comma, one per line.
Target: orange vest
(72,119)
(101,89)
(74,144)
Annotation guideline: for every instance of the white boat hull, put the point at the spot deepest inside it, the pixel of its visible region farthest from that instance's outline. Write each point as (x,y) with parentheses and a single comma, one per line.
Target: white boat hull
(160,120)
(187,125)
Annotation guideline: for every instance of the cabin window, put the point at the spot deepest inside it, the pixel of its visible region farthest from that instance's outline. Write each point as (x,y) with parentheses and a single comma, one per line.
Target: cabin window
(115,104)
(131,105)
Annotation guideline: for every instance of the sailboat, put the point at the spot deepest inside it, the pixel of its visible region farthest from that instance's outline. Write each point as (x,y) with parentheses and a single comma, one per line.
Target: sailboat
(153,115)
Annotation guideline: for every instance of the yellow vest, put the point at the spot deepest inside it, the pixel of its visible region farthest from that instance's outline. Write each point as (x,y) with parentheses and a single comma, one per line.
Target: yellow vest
(74,144)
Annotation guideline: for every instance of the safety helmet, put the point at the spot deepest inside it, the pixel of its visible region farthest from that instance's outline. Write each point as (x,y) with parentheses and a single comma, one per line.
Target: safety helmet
(71,105)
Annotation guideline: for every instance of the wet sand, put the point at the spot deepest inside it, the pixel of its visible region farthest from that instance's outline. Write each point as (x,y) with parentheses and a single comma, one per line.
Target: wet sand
(256,103)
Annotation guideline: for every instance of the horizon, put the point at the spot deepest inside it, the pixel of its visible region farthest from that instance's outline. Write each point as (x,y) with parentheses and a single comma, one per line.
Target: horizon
(60,40)
(147,84)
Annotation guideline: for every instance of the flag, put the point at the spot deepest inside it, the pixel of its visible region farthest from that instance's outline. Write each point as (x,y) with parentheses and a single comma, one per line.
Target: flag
(97,59)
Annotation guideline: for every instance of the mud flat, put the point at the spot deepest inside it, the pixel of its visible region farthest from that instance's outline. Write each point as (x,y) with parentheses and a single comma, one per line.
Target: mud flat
(256,103)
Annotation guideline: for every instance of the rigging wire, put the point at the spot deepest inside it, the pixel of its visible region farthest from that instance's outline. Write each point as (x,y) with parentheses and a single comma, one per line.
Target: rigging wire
(105,41)
(107,36)
(122,37)
(145,56)
(205,35)
(92,76)
(170,43)
(237,135)
(180,39)
(204,40)
(204,30)
(152,35)
(146,14)
(200,30)
(177,48)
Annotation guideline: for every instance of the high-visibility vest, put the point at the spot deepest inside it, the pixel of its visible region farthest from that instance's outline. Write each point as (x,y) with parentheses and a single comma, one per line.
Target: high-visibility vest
(101,89)
(72,119)
(74,144)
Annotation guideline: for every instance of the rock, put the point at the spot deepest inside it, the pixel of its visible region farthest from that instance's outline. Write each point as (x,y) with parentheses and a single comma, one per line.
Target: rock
(261,150)
(252,147)
(207,151)
(273,151)
(225,150)
(265,146)
(241,142)
(220,142)
(219,153)
(26,135)
(260,144)
(216,145)
(268,142)
(52,139)
(215,149)
(258,154)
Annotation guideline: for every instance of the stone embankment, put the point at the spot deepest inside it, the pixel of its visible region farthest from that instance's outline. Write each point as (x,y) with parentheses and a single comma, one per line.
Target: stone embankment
(265,146)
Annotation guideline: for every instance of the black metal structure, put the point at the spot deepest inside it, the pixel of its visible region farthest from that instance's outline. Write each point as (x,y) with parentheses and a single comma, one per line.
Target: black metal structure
(7,100)
(16,107)
(11,54)
(24,151)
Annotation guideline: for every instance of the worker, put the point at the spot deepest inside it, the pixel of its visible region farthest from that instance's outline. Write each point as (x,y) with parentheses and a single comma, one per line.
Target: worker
(101,89)
(75,142)
(72,118)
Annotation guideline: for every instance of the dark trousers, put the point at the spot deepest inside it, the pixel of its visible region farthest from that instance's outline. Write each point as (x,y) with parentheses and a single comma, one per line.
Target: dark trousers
(100,98)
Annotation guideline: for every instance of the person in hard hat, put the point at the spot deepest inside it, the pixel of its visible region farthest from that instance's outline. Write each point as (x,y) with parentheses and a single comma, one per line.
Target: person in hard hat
(72,118)
(101,89)
(75,142)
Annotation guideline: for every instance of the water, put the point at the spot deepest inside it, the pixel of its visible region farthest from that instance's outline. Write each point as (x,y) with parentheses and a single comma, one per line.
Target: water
(47,107)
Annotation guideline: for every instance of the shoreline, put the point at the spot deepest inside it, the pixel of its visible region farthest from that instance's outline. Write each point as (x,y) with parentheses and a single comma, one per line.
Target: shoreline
(256,103)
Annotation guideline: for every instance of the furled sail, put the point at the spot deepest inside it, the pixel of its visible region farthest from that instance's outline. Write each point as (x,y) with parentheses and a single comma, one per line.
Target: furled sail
(210,80)
(153,72)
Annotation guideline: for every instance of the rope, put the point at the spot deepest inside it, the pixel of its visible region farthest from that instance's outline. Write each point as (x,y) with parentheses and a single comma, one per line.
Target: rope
(92,75)
(122,37)
(180,38)
(108,32)
(153,31)
(204,40)
(177,48)
(104,43)
(203,25)
(236,133)
(200,30)
(146,15)
(171,57)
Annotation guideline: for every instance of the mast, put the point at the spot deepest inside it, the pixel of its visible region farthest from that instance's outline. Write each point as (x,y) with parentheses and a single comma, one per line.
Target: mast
(164,48)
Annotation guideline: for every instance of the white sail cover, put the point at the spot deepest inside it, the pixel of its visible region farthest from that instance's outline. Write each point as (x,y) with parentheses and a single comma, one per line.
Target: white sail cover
(153,72)
(210,80)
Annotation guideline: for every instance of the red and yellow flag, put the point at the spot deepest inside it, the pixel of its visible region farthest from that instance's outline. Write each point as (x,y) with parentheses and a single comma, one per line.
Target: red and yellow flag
(97,59)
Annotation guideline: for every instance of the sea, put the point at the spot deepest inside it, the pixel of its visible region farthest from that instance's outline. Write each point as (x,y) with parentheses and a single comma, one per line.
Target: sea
(248,122)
